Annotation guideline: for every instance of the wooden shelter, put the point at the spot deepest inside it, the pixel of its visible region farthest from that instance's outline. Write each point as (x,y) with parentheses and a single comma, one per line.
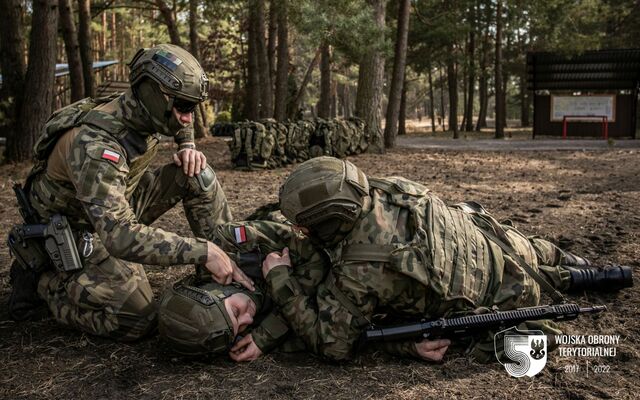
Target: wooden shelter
(591,94)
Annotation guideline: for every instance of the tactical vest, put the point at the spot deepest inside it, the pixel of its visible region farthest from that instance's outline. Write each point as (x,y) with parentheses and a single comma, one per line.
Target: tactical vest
(139,149)
(446,252)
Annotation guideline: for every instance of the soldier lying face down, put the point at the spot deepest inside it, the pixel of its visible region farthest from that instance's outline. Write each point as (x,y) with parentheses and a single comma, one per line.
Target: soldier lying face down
(394,250)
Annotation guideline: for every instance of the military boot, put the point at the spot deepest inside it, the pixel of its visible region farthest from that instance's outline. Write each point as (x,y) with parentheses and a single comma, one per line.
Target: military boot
(24,302)
(608,279)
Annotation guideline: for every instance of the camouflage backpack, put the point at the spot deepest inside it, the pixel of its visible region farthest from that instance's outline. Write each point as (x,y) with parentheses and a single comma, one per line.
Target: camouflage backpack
(251,146)
(320,142)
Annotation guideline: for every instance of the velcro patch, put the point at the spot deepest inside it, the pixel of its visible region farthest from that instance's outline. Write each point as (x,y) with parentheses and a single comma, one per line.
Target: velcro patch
(167,59)
(110,155)
(241,235)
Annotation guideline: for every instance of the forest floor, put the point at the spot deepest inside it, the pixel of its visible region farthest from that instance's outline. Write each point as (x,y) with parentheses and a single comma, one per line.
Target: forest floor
(586,201)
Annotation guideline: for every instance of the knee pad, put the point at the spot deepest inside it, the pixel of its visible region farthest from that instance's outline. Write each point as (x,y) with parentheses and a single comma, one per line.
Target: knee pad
(206,179)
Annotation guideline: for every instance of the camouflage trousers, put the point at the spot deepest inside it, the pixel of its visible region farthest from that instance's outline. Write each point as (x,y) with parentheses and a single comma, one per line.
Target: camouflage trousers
(112,297)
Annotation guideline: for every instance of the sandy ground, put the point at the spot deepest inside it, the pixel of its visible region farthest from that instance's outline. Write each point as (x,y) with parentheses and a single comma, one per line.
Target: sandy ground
(584,200)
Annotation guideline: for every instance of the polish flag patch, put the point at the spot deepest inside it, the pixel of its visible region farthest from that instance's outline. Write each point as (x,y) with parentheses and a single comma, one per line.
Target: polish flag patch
(110,155)
(241,235)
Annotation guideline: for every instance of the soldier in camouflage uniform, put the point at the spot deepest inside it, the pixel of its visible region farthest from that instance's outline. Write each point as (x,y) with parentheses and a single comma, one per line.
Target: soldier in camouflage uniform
(92,165)
(198,316)
(397,250)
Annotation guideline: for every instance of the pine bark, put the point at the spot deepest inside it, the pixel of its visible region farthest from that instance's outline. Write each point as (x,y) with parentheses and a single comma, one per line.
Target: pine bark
(271,45)
(13,73)
(452,82)
(252,90)
(443,114)
(266,93)
(370,85)
(38,87)
(432,111)
(324,103)
(397,76)
(498,73)
(471,80)
(86,49)
(282,73)
(72,49)
(402,117)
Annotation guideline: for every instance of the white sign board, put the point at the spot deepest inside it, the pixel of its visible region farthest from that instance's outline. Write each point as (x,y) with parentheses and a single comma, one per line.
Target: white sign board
(583,106)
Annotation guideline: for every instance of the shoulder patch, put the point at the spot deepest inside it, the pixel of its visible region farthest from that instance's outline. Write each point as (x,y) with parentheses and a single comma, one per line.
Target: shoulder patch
(110,155)
(241,234)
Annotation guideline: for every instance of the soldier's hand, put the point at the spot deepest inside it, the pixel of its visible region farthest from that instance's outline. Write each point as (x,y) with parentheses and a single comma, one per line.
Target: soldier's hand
(275,259)
(245,350)
(191,160)
(223,269)
(432,350)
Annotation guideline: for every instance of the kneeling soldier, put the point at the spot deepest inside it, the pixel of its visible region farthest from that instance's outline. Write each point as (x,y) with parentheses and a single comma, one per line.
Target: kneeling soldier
(92,174)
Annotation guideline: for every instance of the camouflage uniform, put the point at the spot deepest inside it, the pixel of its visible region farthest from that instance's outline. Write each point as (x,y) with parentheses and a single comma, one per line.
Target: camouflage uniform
(410,256)
(191,327)
(98,176)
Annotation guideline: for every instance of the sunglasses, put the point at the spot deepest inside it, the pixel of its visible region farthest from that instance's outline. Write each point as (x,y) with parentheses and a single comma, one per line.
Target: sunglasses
(184,106)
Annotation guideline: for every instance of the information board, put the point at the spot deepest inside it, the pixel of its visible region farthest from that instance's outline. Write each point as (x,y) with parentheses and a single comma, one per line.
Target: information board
(583,106)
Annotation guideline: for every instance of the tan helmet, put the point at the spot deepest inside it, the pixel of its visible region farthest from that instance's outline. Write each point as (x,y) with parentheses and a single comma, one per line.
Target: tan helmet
(164,77)
(192,317)
(324,195)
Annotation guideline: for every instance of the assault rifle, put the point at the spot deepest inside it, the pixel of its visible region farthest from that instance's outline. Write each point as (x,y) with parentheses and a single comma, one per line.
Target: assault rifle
(472,324)
(37,245)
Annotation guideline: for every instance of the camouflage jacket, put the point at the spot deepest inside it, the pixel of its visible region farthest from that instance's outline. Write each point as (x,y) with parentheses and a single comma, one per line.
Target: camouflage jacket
(409,257)
(108,149)
(247,243)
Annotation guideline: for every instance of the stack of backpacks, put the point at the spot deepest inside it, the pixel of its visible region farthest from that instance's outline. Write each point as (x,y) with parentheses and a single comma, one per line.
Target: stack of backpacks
(271,144)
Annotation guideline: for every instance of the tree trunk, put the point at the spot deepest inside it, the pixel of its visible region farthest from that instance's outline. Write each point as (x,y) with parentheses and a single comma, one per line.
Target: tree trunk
(472,73)
(103,35)
(452,82)
(346,100)
(252,91)
(39,81)
(303,85)
(170,21)
(271,45)
(443,114)
(432,111)
(266,93)
(524,101)
(370,85)
(324,103)
(397,77)
(199,120)
(13,74)
(402,116)
(282,74)
(86,51)
(72,49)
(498,72)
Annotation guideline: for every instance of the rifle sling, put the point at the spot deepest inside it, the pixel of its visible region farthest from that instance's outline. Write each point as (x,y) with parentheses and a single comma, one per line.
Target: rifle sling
(360,318)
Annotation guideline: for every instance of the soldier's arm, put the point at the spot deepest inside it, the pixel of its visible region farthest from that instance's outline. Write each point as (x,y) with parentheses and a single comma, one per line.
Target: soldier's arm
(272,331)
(185,138)
(323,322)
(99,175)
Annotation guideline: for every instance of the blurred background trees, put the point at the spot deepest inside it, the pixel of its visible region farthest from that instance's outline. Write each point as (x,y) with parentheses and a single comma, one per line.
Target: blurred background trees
(457,65)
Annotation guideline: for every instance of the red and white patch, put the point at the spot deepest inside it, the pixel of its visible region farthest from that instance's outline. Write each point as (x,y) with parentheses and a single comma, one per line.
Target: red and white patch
(241,234)
(110,155)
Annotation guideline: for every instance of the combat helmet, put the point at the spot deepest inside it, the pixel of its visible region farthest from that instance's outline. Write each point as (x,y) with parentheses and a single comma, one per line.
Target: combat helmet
(193,319)
(326,196)
(164,77)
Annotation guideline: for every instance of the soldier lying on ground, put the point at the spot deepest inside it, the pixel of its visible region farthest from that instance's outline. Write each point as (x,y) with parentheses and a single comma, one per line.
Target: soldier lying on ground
(199,316)
(92,166)
(396,250)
